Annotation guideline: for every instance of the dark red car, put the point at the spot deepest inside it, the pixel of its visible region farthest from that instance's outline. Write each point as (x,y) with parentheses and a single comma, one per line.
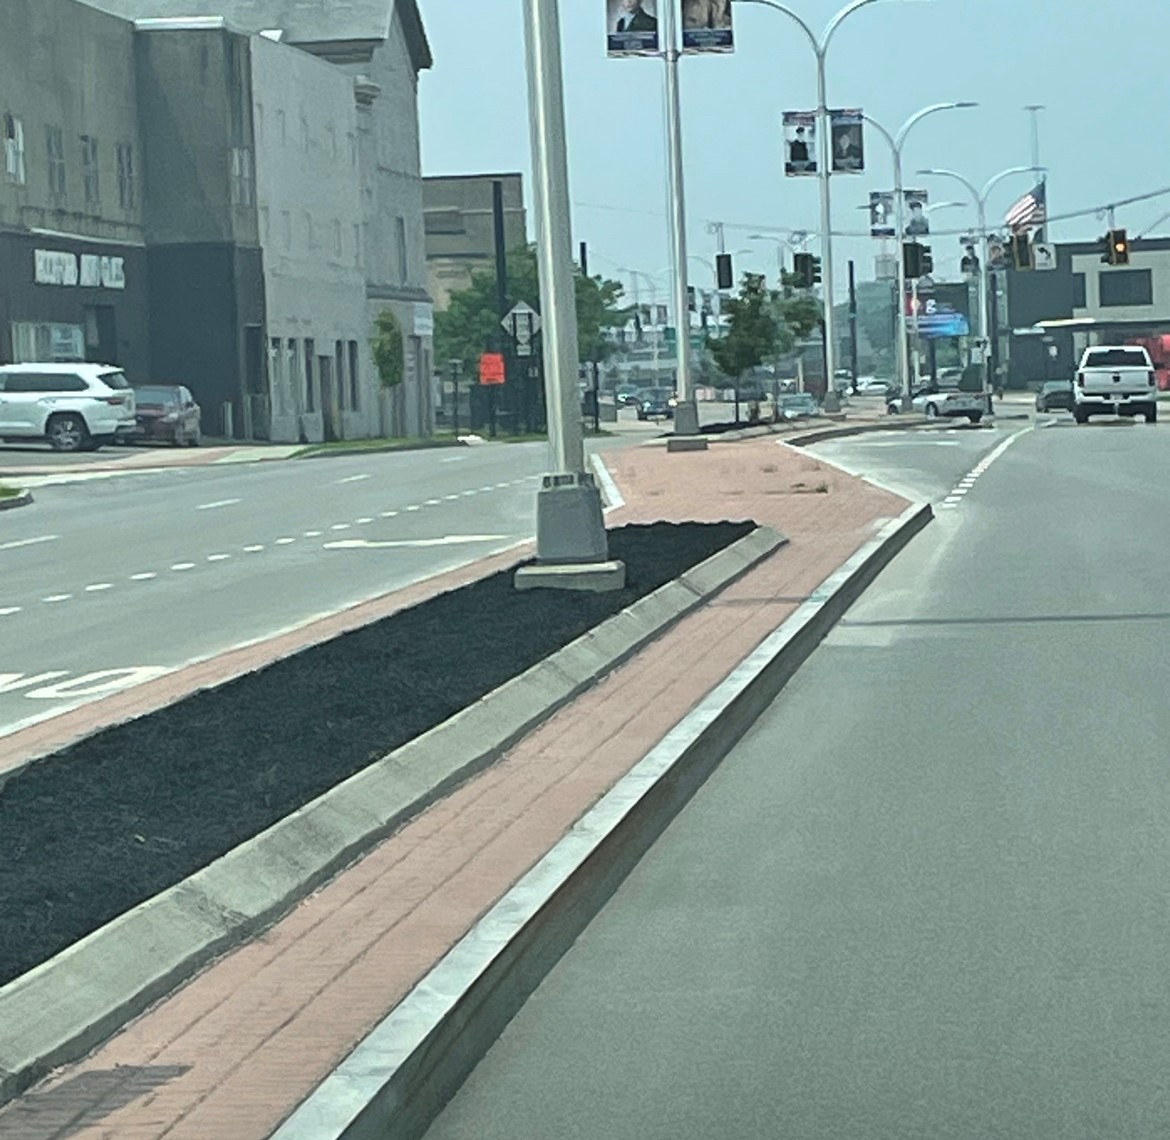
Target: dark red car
(167,413)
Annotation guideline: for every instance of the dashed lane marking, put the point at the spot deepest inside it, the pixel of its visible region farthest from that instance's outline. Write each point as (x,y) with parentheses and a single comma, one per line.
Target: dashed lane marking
(98,587)
(18,543)
(217,505)
(146,576)
(352,479)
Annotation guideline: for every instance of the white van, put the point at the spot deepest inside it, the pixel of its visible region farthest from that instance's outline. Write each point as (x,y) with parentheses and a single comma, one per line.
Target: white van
(75,407)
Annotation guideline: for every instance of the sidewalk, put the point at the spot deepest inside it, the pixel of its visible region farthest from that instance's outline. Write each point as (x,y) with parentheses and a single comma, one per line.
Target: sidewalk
(231,1054)
(152,459)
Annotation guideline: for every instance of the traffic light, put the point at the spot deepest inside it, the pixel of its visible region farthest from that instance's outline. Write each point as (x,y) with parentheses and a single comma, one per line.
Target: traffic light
(816,271)
(1119,247)
(724,275)
(1021,251)
(691,298)
(912,259)
(927,261)
(802,270)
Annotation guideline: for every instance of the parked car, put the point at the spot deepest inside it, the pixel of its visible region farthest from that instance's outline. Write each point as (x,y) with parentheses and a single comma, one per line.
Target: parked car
(626,395)
(1055,394)
(75,407)
(656,403)
(872,386)
(799,406)
(935,402)
(168,413)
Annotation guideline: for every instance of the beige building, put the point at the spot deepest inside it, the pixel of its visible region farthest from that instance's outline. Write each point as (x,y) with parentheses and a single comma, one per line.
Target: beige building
(460,236)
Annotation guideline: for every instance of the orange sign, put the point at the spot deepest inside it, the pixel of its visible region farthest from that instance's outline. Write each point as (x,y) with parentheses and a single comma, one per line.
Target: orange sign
(491,368)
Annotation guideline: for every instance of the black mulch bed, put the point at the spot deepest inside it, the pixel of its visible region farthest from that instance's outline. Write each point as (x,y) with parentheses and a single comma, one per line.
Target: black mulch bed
(90,832)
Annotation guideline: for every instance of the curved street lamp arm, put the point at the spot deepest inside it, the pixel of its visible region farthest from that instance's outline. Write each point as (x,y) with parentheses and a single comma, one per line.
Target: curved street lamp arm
(812,37)
(933,109)
(882,131)
(995,179)
(975,195)
(839,18)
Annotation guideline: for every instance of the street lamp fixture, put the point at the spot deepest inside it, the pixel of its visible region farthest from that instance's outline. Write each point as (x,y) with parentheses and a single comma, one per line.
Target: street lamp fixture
(979,197)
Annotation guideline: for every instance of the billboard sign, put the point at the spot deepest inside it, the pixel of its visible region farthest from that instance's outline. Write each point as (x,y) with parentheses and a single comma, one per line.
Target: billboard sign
(943,311)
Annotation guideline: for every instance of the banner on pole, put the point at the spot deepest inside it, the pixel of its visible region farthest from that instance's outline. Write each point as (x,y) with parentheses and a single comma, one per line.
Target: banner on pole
(706,26)
(917,223)
(848,141)
(800,143)
(881,214)
(632,27)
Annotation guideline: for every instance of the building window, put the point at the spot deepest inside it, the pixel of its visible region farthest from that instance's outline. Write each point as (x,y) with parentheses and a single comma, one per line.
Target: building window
(286,229)
(55,149)
(14,150)
(241,176)
(1126,287)
(90,175)
(276,374)
(337,239)
(310,399)
(352,148)
(304,134)
(127,192)
(1080,299)
(292,366)
(310,231)
(354,388)
(401,244)
(281,128)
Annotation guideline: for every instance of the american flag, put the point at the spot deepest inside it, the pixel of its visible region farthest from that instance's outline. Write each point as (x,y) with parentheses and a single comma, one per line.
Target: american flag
(1030,211)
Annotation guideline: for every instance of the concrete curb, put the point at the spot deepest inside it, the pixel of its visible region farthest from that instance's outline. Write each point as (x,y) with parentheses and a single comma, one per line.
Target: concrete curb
(65,1007)
(337,452)
(23,499)
(396,1081)
(820,435)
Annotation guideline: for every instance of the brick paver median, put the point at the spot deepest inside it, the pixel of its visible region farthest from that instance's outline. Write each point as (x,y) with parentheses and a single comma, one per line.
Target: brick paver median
(233,1052)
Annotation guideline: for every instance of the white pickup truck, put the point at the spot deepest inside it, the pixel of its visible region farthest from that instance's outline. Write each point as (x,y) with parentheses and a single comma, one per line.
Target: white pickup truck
(1115,380)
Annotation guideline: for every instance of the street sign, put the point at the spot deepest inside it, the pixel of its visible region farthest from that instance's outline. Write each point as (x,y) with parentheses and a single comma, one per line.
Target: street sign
(491,368)
(522,324)
(1043,255)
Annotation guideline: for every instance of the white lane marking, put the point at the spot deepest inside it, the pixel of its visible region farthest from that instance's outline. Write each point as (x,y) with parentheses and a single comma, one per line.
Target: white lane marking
(967,483)
(93,684)
(364,521)
(433,502)
(13,682)
(450,498)
(416,507)
(340,526)
(216,506)
(285,541)
(470,493)
(500,486)
(389,514)
(52,599)
(447,540)
(181,566)
(218,557)
(313,534)
(8,611)
(491,487)
(18,543)
(352,479)
(253,549)
(98,587)
(145,577)
(454,459)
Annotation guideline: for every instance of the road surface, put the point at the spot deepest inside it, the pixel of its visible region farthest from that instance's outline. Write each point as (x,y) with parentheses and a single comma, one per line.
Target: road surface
(926,896)
(130,576)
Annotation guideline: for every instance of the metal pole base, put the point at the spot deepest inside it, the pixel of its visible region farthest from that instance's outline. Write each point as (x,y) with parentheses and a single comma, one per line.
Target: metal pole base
(686,418)
(832,401)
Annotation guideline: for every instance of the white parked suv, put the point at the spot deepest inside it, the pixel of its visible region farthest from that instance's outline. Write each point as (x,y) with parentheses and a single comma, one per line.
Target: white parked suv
(76,407)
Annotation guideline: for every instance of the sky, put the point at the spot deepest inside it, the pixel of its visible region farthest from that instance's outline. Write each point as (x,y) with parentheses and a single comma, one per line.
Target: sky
(1100,70)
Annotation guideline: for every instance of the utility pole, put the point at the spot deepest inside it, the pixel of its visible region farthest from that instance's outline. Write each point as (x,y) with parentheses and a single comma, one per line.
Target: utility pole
(853,324)
(571,542)
(1034,110)
(501,292)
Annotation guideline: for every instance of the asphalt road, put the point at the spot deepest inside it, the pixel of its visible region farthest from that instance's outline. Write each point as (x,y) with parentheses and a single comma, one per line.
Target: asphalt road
(926,897)
(137,574)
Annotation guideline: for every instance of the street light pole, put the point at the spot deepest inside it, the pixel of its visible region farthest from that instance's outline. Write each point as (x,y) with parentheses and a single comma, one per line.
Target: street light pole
(820,48)
(980,199)
(571,543)
(897,143)
(686,418)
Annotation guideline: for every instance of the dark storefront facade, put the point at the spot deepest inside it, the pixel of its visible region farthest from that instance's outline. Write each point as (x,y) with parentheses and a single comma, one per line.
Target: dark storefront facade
(64,299)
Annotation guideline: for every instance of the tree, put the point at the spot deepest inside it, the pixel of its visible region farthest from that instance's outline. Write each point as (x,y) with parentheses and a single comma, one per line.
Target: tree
(754,331)
(388,349)
(471,324)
